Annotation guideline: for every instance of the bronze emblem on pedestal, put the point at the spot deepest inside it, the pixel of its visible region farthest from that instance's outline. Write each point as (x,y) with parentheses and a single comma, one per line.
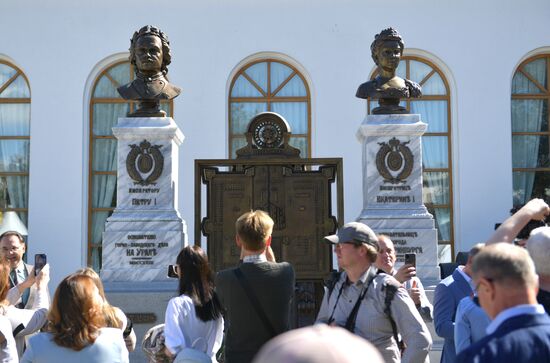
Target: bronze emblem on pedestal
(145,163)
(394,161)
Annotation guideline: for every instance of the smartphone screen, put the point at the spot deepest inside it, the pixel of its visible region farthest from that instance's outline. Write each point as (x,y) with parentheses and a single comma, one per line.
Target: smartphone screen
(40,260)
(410,259)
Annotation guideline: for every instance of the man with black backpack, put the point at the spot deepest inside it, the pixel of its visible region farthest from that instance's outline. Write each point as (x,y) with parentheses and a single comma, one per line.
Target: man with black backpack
(371,305)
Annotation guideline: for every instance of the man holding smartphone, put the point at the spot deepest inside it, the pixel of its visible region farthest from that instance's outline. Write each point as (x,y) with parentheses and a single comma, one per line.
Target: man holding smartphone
(406,275)
(12,249)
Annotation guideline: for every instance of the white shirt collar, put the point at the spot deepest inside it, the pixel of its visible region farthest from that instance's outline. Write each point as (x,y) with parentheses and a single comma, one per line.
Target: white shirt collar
(466,277)
(525,309)
(255,258)
(20,268)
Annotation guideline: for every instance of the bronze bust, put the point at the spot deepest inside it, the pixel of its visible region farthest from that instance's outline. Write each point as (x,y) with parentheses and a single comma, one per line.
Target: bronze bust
(150,55)
(387,49)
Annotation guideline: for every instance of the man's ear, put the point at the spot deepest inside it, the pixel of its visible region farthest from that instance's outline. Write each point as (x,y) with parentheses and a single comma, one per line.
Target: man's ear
(268,241)
(238,241)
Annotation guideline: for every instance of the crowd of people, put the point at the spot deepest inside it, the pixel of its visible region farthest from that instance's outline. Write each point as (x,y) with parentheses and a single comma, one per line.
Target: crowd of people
(492,309)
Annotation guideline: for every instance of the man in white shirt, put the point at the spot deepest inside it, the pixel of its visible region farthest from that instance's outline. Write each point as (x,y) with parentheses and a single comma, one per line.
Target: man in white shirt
(507,285)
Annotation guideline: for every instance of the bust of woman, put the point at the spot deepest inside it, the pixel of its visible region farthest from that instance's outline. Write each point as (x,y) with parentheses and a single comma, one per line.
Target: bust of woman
(387,49)
(150,55)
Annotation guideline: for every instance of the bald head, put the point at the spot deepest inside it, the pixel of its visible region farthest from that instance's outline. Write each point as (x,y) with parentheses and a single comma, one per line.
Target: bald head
(505,264)
(318,344)
(538,246)
(386,257)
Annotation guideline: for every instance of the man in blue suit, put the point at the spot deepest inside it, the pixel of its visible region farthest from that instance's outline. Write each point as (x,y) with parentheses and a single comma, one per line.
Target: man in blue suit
(448,294)
(507,286)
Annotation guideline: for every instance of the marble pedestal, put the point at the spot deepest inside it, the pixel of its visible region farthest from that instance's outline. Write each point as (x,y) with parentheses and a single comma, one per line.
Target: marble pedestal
(392,188)
(145,232)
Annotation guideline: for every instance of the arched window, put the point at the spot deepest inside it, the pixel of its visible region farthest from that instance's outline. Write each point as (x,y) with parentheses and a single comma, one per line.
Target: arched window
(531,130)
(106,106)
(434,108)
(15,122)
(270,85)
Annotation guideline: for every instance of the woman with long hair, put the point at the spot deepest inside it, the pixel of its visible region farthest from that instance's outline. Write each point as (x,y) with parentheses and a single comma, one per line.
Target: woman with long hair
(194,319)
(114,317)
(77,331)
(21,321)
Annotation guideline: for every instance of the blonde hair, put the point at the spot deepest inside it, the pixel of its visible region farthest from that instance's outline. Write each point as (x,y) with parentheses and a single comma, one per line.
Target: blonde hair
(253,229)
(110,312)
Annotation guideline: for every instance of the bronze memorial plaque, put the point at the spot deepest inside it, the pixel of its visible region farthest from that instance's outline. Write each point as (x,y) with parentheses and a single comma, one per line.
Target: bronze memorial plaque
(297,193)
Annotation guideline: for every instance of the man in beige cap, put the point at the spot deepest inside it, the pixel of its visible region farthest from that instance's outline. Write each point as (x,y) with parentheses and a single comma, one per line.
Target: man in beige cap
(373,306)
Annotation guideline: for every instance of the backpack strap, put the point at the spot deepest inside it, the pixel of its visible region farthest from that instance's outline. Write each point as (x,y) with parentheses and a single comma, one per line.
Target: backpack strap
(254,301)
(390,293)
(350,322)
(331,281)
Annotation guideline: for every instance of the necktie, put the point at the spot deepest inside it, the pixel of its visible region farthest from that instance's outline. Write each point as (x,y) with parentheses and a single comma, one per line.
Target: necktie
(14,277)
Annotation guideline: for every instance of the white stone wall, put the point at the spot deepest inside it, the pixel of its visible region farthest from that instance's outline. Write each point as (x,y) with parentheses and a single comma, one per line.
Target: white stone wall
(59,44)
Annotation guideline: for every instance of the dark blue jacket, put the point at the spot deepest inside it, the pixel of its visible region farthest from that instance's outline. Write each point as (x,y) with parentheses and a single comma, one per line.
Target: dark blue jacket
(448,294)
(520,339)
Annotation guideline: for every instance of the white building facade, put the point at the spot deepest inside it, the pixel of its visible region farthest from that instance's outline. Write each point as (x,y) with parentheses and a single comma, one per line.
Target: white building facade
(484,67)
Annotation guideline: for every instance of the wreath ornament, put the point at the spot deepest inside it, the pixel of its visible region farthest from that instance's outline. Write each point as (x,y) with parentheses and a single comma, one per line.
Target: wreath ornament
(394,161)
(144,163)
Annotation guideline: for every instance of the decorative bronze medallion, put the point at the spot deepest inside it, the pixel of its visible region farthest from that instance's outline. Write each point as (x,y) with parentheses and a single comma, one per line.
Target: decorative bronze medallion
(145,163)
(394,161)
(268,134)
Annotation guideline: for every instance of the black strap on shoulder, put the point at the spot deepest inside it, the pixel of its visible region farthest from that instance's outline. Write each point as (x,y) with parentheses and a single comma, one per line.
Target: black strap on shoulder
(254,300)
(350,322)
(129,327)
(18,329)
(390,293)
(331,281)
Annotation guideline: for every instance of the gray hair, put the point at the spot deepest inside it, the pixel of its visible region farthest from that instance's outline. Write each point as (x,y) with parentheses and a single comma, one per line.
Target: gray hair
(538,246)
(475,249)
(505,262)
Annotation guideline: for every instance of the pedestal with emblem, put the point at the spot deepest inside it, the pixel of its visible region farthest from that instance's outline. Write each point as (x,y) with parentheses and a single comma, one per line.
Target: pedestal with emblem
(392,187)
(145,232)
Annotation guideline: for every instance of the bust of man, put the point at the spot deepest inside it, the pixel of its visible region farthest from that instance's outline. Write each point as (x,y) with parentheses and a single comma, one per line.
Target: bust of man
(387,49)
(150,56)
